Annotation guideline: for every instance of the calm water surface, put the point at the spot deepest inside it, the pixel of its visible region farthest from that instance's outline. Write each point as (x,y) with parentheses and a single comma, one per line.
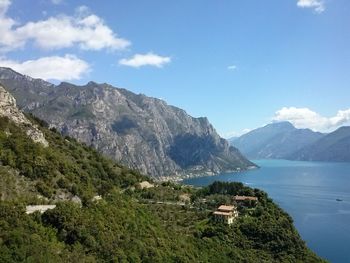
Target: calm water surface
(308,192)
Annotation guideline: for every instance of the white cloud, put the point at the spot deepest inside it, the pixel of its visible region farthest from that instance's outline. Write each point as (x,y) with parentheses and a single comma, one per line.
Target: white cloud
(232,67)
(68,67)
(8,40)
(4,5)
(233,134)
(306,118)
(149,59)
(317,5)
(84,30)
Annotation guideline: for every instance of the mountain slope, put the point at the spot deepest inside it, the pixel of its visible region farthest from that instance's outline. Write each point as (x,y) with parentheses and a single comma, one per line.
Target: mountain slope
(51,166)
(335,146)
(125,223)
(275,141)
(8,109)
(141,132)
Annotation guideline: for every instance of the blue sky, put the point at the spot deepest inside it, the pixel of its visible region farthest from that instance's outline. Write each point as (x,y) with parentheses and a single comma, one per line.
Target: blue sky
(240,63)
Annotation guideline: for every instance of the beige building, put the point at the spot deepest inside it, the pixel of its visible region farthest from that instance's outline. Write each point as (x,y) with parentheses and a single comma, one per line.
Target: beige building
(226,214)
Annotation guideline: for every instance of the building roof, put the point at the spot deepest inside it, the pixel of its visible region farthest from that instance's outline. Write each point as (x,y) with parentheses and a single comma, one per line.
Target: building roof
(226,208)
(243,198)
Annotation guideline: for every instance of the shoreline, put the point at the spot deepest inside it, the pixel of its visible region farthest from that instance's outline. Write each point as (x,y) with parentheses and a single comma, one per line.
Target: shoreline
(191,175)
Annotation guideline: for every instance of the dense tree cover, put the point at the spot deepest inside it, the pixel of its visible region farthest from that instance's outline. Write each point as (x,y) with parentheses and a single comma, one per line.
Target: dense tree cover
(123,227)
(65,166)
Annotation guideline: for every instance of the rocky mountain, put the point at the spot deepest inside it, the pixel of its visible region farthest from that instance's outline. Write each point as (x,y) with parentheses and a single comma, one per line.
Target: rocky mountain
(275,141)
(232,139)
(334,147)
(141,132)
(9,110)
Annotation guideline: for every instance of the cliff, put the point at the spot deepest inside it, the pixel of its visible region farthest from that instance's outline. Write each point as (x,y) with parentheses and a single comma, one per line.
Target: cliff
(9,110)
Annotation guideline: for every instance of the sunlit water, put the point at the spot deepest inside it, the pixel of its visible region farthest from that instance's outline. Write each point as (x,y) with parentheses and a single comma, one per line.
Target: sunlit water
(308,191)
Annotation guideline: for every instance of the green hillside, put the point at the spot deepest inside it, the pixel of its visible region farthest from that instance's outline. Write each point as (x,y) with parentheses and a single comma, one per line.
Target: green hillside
(128,224)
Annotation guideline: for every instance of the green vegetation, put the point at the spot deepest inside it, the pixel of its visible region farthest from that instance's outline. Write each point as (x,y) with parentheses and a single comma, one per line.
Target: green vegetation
(65,167)
(129,224)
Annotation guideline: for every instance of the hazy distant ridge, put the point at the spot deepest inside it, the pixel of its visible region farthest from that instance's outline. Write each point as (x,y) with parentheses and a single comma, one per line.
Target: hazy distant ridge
(333,147)
(275,141)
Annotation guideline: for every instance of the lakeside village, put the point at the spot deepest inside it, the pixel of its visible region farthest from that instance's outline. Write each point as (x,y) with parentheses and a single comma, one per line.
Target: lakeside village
(225,213)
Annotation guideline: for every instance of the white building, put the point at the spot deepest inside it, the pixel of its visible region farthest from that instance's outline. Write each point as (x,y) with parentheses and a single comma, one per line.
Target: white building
(226,214)
(40,208)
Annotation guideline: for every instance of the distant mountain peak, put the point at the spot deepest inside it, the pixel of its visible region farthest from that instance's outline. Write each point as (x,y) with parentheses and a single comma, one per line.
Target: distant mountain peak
(9,71)
(343,128)
(281,124)
(332,147)
(275,140)
(93,83)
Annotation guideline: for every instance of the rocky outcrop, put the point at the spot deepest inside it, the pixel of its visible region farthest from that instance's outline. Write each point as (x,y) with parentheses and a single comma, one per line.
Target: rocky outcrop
(9,109)
(141,132)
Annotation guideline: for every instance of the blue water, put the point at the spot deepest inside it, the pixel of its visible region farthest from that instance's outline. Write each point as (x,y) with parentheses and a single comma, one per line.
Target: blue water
(308,192)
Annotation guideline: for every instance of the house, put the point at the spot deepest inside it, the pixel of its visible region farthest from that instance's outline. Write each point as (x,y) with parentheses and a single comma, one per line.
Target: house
(226,214)
(245,200)
(96,198)
(239,198)
(185,198)
(145,185)
(40,208)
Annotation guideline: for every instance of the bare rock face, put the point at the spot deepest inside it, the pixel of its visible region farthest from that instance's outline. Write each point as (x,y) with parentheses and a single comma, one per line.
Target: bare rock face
(141,132)
(9,109)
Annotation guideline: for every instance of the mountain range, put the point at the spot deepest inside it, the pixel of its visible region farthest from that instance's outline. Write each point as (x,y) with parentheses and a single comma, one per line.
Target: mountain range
(334,146)
(281,140)
(275,141)
(141,132)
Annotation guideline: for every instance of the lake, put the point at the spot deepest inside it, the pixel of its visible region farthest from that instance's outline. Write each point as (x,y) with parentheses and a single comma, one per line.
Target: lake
(315,194)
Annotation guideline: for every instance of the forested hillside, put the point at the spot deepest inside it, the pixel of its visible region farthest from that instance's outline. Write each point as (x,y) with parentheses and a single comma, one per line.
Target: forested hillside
(128,223)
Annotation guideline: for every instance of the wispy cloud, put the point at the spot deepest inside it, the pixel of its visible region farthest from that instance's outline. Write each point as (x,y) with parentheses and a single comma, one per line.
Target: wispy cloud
(149,59)
(84,30)
(56,2)
(317,5)
(306,118)
(232,67)
(68,67)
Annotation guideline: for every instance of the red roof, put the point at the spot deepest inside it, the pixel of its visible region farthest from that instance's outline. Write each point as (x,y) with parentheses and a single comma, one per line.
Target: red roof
(226,208)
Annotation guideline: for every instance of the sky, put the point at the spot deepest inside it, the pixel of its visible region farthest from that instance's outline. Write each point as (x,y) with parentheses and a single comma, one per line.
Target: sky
(242,64)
